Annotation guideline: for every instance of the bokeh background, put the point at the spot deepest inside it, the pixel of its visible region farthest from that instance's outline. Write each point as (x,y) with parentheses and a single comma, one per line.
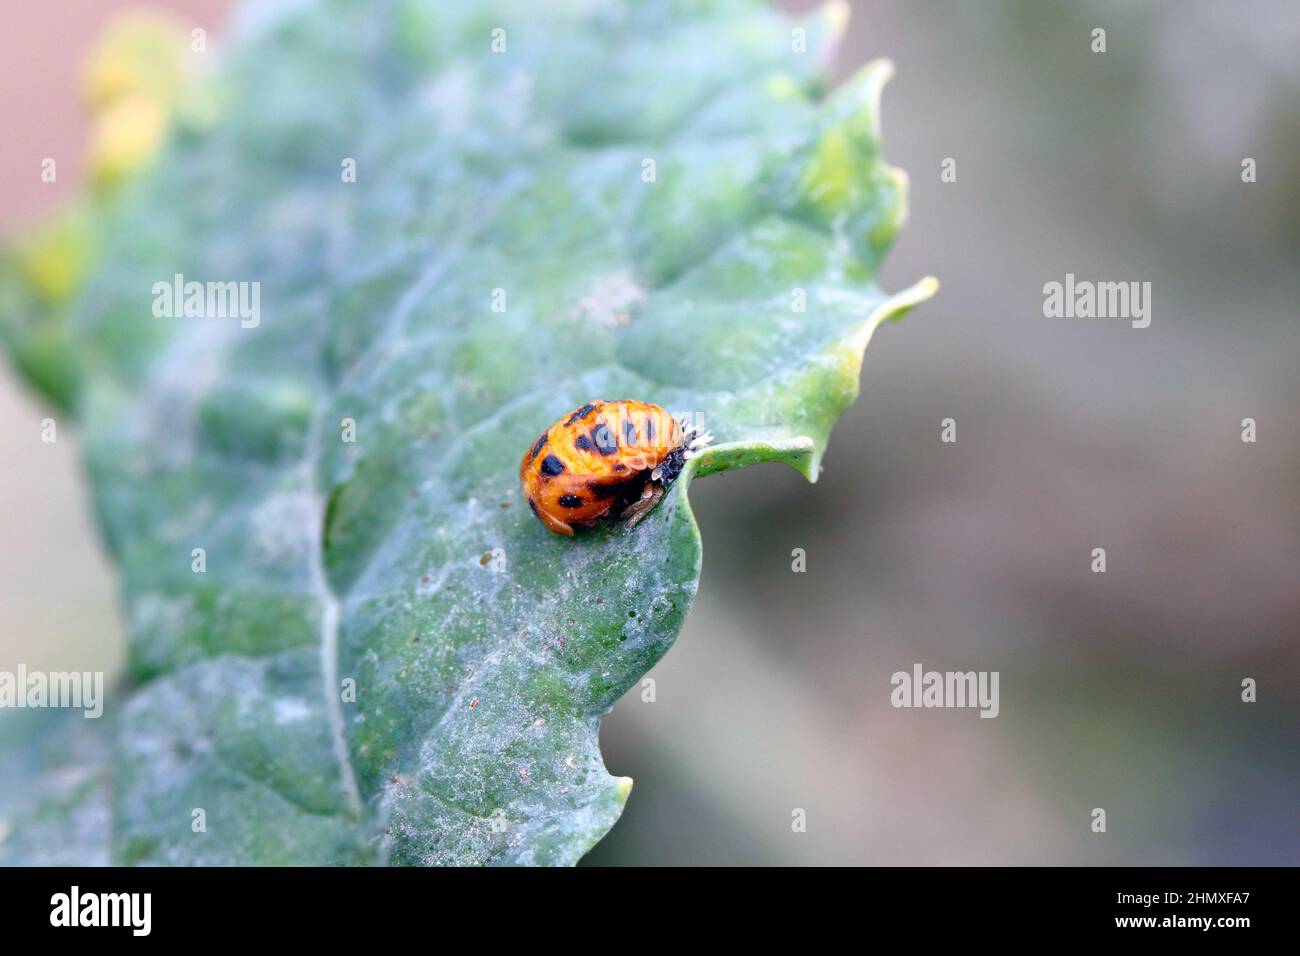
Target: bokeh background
(1118,690)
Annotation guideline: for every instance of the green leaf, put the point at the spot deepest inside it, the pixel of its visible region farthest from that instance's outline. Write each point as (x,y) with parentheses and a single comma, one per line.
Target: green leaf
(484,650)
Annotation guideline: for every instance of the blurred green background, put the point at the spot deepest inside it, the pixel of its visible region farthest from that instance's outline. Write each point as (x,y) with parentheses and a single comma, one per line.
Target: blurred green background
(1118,690)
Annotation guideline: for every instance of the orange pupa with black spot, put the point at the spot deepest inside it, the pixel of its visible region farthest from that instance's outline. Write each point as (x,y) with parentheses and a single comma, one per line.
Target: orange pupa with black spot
(605,458)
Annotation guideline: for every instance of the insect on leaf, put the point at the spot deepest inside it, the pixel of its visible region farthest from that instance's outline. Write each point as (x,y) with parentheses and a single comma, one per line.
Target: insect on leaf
(437,227)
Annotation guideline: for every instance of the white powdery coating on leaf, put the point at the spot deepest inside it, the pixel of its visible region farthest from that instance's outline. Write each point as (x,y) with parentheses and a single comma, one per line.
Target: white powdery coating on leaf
(611,300)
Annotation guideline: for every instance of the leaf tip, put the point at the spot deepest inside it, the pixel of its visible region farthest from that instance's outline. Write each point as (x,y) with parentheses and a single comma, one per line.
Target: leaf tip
(881,69)
(622,789)
(893,308)
(851,350)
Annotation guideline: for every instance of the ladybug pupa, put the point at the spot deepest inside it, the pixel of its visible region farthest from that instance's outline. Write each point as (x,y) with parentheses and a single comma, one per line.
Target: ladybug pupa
(606,458)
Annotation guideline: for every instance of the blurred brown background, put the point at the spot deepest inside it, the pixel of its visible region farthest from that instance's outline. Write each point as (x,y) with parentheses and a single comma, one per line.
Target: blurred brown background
(1119,690)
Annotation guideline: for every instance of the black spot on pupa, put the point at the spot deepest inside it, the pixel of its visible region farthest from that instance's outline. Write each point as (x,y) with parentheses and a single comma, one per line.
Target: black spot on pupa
(622,491)
(570,501)
(604,439)
(581,413)
(538,447)
(650,430)
(552,466)
(630,437)
(583,443)
(609,489)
